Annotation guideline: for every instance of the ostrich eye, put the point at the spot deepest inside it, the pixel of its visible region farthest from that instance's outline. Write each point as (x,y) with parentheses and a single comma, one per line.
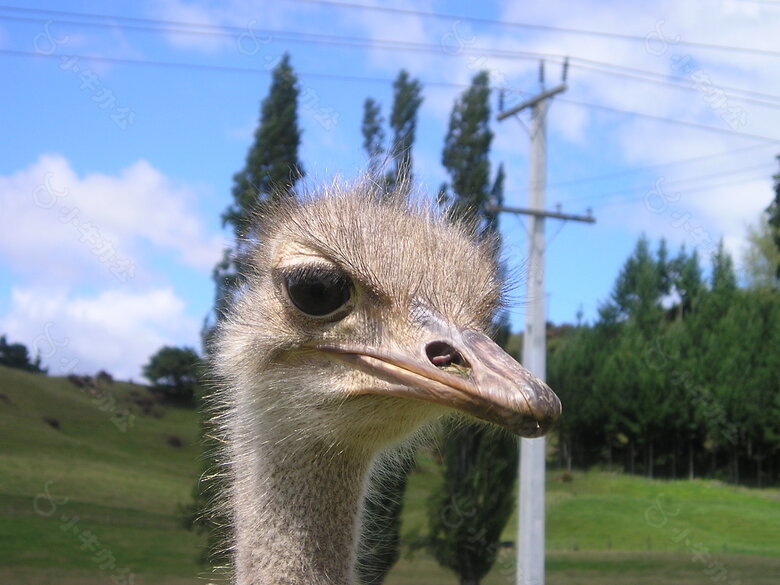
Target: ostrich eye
(318,292)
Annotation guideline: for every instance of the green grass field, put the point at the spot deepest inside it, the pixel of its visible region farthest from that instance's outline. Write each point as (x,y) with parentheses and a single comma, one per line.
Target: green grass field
(122,491)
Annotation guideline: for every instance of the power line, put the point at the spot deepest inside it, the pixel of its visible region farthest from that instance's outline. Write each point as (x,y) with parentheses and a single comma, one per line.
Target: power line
(385,44)
(550,28)
(662,77)
(289,36)
(382,44)
(356,78)
(684,86)
(672,187)
(126,18)
(224,68)
(605,176)
(692,190)
(667,120)
(705,177)
(772,3)
(220,30)
(292,36)
(286,36)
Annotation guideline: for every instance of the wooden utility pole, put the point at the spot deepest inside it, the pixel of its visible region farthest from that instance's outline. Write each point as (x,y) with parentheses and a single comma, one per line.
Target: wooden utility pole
(530,532)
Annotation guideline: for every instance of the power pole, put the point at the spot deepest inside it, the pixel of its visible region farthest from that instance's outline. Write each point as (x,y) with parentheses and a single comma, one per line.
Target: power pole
(530,532)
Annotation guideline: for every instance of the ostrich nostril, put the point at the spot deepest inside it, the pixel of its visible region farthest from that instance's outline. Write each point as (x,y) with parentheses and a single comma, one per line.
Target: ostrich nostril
(441,354)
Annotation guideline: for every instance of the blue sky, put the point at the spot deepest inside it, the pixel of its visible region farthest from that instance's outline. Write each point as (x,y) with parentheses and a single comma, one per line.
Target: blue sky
(123,125)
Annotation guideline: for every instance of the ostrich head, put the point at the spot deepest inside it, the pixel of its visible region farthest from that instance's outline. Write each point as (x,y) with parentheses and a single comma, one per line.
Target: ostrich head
(362,318)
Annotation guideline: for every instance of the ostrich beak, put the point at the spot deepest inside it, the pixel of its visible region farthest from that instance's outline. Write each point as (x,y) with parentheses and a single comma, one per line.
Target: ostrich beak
(464,370)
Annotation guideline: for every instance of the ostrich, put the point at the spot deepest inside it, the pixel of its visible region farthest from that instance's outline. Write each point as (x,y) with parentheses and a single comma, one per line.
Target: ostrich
(362,319)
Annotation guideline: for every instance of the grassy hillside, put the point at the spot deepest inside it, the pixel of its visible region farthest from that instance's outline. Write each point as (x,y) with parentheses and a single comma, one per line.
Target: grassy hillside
(125,489)
(602,511)
(608,528)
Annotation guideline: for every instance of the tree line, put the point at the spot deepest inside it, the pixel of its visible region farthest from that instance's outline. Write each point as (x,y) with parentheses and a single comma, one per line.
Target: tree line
(679,376)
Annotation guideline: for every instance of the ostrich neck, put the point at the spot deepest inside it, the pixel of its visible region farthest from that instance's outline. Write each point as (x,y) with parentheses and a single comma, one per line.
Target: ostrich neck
(296,513)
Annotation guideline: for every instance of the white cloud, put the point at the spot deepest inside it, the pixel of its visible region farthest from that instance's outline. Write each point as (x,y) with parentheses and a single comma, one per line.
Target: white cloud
(63,289)
(731,208)
(410,28)
(116,330)
(176,10)
(247,15)
(701,217)
(136,211)
(738,26)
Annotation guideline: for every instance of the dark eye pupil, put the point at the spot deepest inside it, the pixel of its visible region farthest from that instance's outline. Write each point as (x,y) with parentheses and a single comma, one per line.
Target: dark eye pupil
(318,293)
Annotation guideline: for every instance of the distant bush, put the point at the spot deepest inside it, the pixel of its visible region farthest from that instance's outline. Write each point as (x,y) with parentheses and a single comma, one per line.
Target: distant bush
(104,377)
(52,422)
(148,403)
(174,372)
(16,355)
(80,381)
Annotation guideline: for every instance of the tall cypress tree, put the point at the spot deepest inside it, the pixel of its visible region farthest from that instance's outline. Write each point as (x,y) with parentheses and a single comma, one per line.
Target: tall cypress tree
(380,541)
(272,165)
(467,515)
(469,512)
(407,98)
(271,171)
(467,149)
(373,134)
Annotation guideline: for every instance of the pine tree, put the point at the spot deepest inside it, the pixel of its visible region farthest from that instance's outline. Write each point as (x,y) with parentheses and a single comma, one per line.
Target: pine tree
(635,393)
(719,382)
(272,165)
(762,256)
(724,279)
(641,284)
(774,218)
(570,367)
(683,368)
(467,515)
(687,281)
(496,199)
(680,353)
